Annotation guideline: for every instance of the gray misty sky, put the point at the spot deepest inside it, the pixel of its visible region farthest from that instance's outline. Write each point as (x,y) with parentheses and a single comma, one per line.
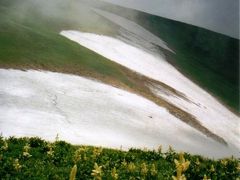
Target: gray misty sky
(217,15)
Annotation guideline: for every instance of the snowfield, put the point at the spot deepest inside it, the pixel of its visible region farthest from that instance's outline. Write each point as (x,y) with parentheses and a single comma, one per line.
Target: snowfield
(212,114)
(137,32)
(84,111)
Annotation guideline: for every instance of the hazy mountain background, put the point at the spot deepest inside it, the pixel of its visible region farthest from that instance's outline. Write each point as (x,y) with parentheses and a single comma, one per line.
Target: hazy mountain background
(217,15)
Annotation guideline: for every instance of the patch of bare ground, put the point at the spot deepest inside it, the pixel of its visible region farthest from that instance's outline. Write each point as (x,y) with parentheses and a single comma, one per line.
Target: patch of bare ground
(170,59)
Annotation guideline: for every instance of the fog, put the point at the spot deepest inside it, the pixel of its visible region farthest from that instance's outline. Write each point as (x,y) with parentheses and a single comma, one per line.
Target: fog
(61,13)
(217,15)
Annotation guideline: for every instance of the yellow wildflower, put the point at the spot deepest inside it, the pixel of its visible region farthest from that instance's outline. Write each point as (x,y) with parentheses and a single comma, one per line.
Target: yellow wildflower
(212,169)
(73,173)
(50,151)
(17,165)
(5,146)
(153,170)
(197,162)
(124,163)
(26,149)
(131,167)
(97,172)
(181,166)
(205,177)
(238,167)
(224,162)
(144,169)
(96,152)
(114,174)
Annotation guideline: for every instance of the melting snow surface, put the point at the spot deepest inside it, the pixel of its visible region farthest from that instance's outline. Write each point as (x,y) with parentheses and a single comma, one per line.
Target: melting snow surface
(138,32)
(202,105)
(83,111)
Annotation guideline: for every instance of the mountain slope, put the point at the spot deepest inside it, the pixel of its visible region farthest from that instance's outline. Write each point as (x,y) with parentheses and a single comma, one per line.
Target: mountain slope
(29,39)
(202,55)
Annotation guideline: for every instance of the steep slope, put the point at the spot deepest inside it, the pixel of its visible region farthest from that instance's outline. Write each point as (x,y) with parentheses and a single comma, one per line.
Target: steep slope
(194,100)
(29,39)
(83,111)
(202,55)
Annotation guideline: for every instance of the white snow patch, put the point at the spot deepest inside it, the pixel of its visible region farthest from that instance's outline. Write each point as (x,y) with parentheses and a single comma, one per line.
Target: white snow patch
(138,32)
(83,111)
(212,114)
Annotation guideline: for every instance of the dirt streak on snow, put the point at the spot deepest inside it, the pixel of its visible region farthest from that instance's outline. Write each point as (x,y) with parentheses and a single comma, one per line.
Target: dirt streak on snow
(212,114)
(138,33)
(83,111)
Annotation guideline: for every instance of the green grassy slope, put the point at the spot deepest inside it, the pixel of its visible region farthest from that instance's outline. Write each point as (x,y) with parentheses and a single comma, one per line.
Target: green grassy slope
(34,158)
(33,41)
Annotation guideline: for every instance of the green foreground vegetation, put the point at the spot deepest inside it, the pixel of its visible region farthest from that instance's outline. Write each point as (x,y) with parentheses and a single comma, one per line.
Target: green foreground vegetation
(34,158)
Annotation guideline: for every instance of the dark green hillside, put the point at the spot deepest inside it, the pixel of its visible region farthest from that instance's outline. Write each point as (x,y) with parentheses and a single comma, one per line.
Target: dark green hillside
(211,59)
(208,58)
